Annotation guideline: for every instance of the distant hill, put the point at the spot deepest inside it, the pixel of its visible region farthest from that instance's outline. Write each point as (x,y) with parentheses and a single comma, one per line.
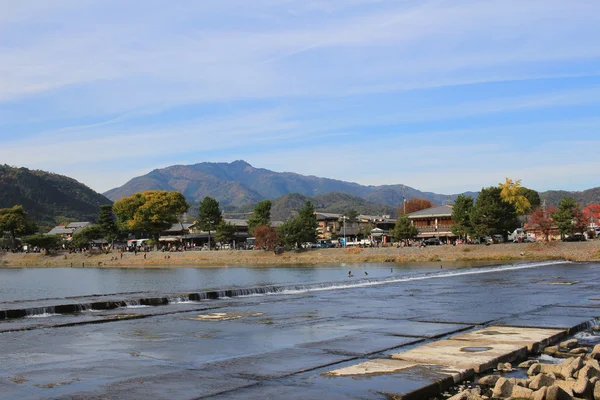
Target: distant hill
(283,207)
(585,197)
(47,197)
(239,183)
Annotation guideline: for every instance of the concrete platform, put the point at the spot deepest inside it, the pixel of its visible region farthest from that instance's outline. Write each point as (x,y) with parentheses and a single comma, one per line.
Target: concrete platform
(534,339)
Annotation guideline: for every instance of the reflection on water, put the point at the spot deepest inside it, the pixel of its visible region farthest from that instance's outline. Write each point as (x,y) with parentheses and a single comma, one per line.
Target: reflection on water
(43,283)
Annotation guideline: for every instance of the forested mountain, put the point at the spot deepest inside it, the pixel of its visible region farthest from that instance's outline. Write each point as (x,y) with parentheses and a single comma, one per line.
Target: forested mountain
(585,197)
(239,183)
(48,197)
(283,207)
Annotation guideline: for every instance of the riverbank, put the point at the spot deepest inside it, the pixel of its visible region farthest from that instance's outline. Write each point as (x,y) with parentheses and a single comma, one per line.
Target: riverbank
(580,252)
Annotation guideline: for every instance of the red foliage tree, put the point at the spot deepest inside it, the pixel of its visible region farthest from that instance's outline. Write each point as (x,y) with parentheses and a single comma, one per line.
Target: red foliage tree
(413,205)
(581,221)
(266,237)
(541,220)
(593,212)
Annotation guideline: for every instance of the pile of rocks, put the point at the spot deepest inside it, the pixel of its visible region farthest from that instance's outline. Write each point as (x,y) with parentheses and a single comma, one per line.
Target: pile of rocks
(575,378)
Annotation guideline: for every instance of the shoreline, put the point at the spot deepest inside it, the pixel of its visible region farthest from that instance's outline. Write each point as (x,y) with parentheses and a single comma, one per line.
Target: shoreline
(577,252)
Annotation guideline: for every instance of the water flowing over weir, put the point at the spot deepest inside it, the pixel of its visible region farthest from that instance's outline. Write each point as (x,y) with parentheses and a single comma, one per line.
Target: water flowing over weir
(181,298)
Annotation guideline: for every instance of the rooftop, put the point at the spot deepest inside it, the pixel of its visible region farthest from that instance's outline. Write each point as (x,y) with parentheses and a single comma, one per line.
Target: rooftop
(438,211)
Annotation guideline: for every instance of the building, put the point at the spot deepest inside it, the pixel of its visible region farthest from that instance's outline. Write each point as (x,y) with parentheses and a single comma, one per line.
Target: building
(434,222)
(67,231)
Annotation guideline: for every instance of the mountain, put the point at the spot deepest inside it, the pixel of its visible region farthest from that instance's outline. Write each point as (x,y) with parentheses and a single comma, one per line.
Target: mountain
(585,197)
(48,197)
(284,207)
(239,183)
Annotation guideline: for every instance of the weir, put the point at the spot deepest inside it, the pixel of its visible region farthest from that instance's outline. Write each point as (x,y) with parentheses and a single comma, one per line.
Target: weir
(79,307)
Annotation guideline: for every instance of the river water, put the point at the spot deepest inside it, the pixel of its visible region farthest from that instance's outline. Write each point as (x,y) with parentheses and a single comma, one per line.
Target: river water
(43,283)
(274,340)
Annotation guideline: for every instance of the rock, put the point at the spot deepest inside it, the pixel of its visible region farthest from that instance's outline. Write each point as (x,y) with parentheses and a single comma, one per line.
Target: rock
(596,348)
(569,367)
(594,379)
(489,380)
(540,394)
(551,350)
(589,372)
(528,363)
(579,350)
(534,369)
(582,386)
(520,392)
(466,395)
(518,382)
(567,386)
(557,393)
(540,381)
(508,367)
(593,363)
(597,391)
(569,344)
(503,388)
(551,368)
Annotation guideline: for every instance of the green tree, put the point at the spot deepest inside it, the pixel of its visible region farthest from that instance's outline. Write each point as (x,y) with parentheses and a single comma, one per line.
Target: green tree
(309,222)
(46,242)
(491,215)
(290,233)
(512,193)
(13,220)
(261,216)
(82,238)
(404,229)
(225,232)
(151,212)
(352,215)
(532,196)
(461,215)
(301,229)
(107,223)
(566,214)
(209,216)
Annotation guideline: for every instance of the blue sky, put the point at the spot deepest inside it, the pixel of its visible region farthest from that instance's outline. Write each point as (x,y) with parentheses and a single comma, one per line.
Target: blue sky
(441,95)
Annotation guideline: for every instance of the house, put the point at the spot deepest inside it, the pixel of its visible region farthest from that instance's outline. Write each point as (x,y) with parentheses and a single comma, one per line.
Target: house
(331,226)
(434,222)
(68,230)
(197,237)
(176,232)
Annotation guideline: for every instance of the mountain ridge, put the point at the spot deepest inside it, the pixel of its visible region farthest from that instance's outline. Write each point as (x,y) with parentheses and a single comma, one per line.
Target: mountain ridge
(47,196)
(239,183)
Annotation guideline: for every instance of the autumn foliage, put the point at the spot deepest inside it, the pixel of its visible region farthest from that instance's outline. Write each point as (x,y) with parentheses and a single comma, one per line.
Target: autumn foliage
(266,237)
(413,205)
(542,220)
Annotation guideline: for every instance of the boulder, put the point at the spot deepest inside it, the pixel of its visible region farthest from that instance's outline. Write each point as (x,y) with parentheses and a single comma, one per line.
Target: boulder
(557,393)
(582,386)
(569,367)
(534,369)
(489,380)
(528,363)
(540,394)
(579,350)
(567,386)
(588,372)
(551,368)
(540,381)
(520,392)
(518,382)
(551,350)
(592,363)
(569,344)
(465,395)
(597,391)
(503,388)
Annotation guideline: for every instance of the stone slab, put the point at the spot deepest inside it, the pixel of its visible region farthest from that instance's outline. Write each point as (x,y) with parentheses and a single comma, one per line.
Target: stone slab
(463,355)
(362,344)
(469,318)
(276,364)
(533,338)
(545,321)
(416,328)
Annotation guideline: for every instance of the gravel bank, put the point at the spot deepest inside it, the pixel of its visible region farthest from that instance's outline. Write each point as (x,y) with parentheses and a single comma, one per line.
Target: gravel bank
(584,251)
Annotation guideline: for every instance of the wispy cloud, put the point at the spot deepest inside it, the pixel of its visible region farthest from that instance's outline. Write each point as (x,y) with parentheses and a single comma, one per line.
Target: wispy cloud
(86,83)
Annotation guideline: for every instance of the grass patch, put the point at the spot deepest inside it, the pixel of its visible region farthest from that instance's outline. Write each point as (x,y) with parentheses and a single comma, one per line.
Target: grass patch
(434,258)
(354,250)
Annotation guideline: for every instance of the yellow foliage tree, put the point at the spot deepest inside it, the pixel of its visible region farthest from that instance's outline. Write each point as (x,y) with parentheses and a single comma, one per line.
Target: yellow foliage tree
(153,211)
(512,193)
